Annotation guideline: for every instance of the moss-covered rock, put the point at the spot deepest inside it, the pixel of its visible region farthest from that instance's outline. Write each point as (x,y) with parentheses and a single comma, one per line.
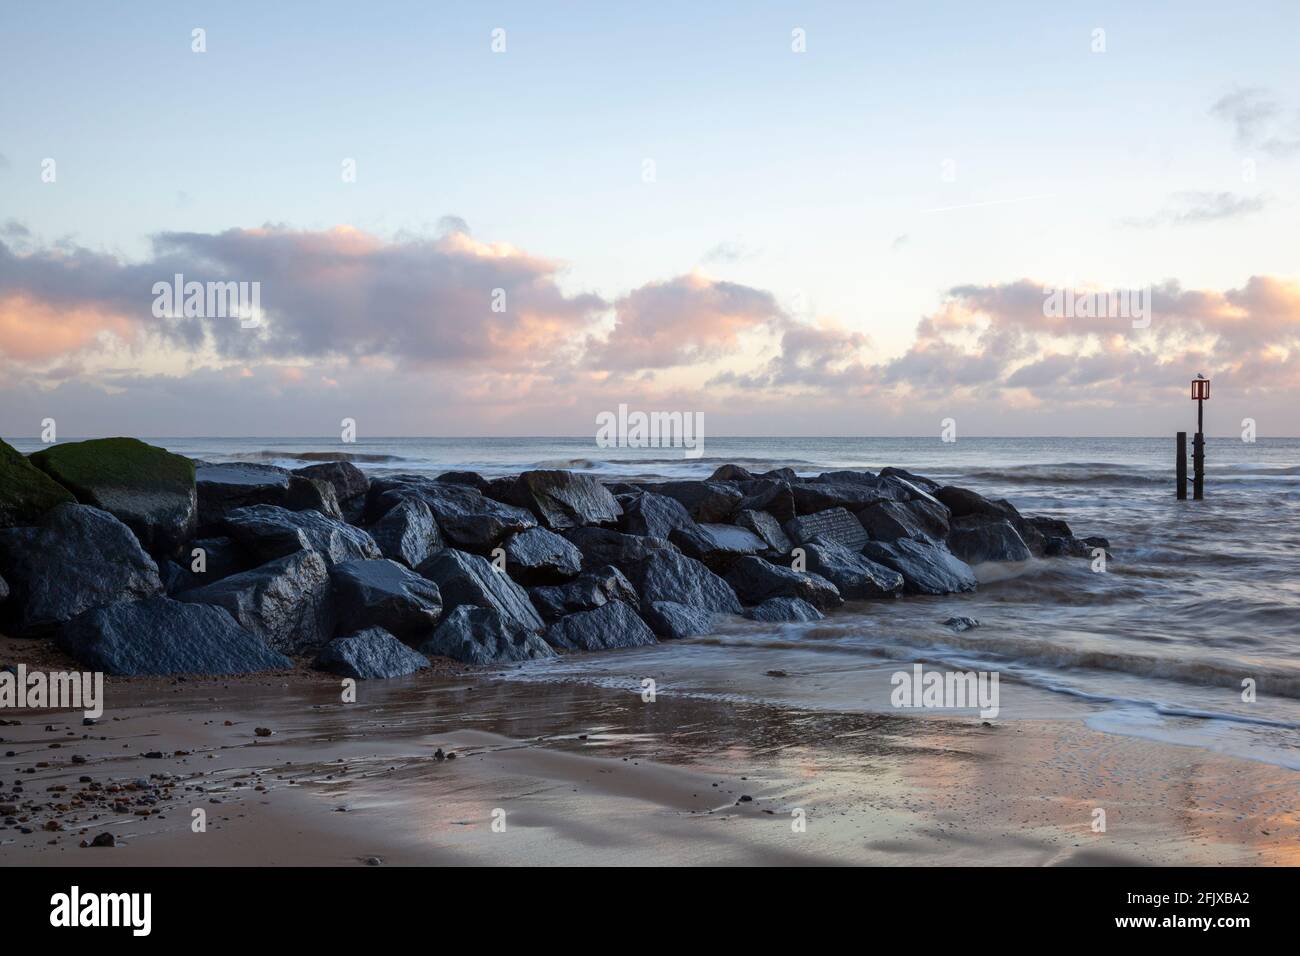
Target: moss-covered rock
(148,489)
(26,492)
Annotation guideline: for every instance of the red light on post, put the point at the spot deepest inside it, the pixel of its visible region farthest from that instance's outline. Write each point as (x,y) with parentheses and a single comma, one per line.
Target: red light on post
(1200,388)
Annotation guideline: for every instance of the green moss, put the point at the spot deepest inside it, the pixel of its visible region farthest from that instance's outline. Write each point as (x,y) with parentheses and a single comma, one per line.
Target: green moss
(86,468)
(26,492)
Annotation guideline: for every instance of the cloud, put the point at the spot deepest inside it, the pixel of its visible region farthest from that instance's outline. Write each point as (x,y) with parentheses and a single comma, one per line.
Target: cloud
(1259,121)
(1194,208)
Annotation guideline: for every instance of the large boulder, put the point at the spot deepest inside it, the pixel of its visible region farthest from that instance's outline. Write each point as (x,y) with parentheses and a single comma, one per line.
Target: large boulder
(917,481)
(466,518)
(731,473)
(755,580)
(288,602)
(891,520)
(26,492)
(312,494)
(654,515)
(811,497)
(854,575)
(148,489)
(834,524)
(349,482)
(717,545)
(538,556)
(711,501)
(610,626)
(469,579)
(926,567)
(368,655)
(162,636)
(668,619)
(669,576)
(382,593)
(767,528)
(205,560)
(588,591)
(601,546)
(978,538)
(407,533)
(471,478)
(562,499)
(784,610)
(78,557)
(771,496)
(962,502)
(268,532)
(223,488)
(480,635)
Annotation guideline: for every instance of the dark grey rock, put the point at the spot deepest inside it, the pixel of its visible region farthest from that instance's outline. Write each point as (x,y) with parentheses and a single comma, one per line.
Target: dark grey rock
(314,494)
(1064,548)
(847,477)
(268,532)
(1050,527)
(926,567)
(538,556)
(781,474)
(480,635)
(962,502)
(978,538)
(731,473)
(601,546)
(163,636)
(587,592)
(854,575)
(835,524)
(771,496)
(466,518)
(287,602)
(468,579)
(811,497)
(960,624)
(784,610)
(562,499)
(348,481)
(717,545)
(223,488)
(891,520)
(767,528)
(711,501)
(1097,541)
(220,558)
(369,655)
(755,580)
(670,620)
(610,626)
(655,515)
(470,478)
(77,558)
(407,533)
(925,484)
(383,593)
(669,576)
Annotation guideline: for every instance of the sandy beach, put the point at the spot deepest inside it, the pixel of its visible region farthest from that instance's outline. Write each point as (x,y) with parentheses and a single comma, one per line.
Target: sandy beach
(574,774)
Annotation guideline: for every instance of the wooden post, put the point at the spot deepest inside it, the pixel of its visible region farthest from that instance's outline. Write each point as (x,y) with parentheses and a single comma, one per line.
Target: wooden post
(1180,466)
(1198,467)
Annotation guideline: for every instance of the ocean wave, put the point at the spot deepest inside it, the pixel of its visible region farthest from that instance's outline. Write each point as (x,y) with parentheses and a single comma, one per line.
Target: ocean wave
(355,457)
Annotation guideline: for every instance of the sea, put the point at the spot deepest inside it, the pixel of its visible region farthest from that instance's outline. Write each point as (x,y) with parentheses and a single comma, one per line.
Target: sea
(1188,633)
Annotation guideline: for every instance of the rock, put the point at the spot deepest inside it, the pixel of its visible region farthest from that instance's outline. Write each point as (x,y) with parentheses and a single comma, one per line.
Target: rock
(77,558)
(962,502)
(148,489)
(312,494)
(717,545)
(1050,527)
(1064,548)
(847,477)
(812,497)
(471,479)
(960,624)
(977,538)
(287,602)
(671,620)
(891,520)
(269,532)
(854,575)
(4,591)
(610,626)
(730,473)
(669,576)
(223,488)
(468,579)
(480,635)
(1097,541)
(589,591)
(925,484)
(767,528)
(781,474)
(755,580)
(349,482)
(26,492)
(163,636)
(835,524)
(926,567)
(174,578)
(538,556)
(773,497)
(711,501)
(654,515)
(368,655)
(407,533)
(466,518)
(220,558)
(562,499)
(601,546)
(784,610)
(103,840)
(384,594)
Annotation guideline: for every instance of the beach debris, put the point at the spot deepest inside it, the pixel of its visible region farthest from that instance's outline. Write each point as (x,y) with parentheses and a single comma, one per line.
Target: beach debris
(960,624)
(263,731)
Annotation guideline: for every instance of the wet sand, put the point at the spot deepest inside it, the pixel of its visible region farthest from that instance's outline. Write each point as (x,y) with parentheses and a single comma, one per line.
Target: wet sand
(572,773)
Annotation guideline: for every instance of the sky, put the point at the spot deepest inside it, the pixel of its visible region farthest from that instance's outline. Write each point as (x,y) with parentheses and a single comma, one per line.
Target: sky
(503,219)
